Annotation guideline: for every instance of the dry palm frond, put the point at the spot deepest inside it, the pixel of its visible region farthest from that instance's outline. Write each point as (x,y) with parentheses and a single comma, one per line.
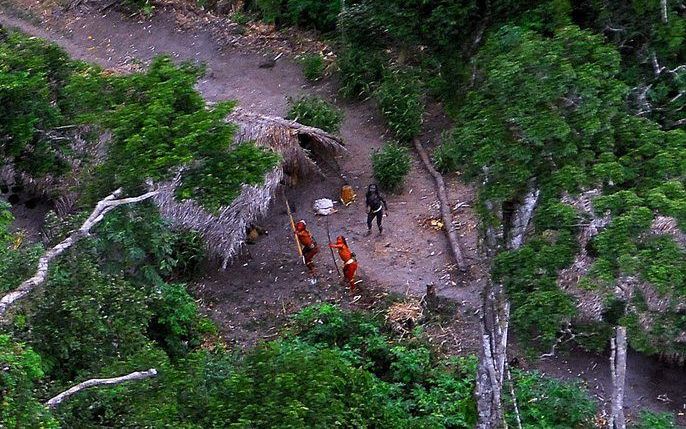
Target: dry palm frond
(404,315)
(225,231)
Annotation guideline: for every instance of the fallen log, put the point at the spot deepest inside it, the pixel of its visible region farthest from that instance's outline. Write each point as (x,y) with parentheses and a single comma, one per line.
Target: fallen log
(446,215)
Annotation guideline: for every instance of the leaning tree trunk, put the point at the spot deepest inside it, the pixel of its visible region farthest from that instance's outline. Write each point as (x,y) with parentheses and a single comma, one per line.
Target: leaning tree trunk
(618,371)
(491,370)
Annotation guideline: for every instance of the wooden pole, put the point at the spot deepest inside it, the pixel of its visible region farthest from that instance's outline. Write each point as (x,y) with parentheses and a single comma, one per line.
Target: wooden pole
(328,235)
(295,235)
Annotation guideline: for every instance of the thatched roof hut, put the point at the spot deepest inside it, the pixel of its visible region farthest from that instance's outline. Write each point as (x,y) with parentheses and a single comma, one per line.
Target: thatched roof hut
(225,231)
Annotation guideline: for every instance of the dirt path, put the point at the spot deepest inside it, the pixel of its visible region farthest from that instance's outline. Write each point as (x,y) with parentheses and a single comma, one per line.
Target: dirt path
(266,283)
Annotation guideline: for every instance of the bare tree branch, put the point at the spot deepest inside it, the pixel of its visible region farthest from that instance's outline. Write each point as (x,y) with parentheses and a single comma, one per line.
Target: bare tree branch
(657,68)
(678,123)
(94,382)
(103,207)
(663,4)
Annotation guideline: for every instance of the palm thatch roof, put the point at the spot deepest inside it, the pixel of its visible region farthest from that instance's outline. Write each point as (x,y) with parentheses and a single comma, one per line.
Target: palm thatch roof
(225,231)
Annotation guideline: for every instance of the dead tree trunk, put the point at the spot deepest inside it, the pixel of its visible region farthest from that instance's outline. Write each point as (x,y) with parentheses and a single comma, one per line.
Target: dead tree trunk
(446,215)
(522,217)
(491,369)
(618,371)
(495,315)
(94,382)
(101,209)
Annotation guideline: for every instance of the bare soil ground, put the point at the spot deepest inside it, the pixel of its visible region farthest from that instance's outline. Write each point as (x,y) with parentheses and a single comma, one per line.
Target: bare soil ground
(253,298)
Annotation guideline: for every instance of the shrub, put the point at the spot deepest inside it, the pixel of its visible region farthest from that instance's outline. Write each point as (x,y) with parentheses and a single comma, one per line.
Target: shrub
(313,66)
(550,403)
(400,99)
(21,368)
(318,14)
(391,164)
(270,10)
(187,254)
(315,112)
(652,420)
(360,70)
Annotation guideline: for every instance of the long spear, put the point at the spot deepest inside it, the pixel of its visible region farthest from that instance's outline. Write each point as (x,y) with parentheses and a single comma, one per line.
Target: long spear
(328,234)
(295,235)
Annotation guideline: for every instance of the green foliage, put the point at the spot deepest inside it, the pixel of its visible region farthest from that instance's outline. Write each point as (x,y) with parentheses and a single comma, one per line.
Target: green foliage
(318,14)
(32,76)
(542,104)
(644,30)
(530,273)
(360,70)
(550,107)
(313,66)
(391,165)
(219,178)
(548,403)
(400,99)
(187,255)
(21,368)
(100,317)
(162,119)
(315,112)
(175,324)
(652,420)
(270,10)
(17,260)
(159,122)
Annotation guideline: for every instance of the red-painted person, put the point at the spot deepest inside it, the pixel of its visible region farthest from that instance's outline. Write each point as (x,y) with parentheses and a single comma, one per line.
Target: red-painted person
(348,258)
(309,245)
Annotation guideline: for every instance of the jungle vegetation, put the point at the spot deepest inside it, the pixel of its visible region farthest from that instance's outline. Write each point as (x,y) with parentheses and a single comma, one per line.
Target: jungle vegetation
(571,96)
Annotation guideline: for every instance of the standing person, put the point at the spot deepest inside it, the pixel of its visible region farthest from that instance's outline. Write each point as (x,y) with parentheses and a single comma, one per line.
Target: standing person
(348,258)
(375,208)
(308,244)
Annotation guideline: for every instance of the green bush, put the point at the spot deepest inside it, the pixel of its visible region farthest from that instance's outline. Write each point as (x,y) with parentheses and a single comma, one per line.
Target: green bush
(400,98)
(186,257)
(360,70)
(270,10)
(313,66)
(317,14)
(652,420)
(391,165)
(549,403)
(315,112)
(21,369)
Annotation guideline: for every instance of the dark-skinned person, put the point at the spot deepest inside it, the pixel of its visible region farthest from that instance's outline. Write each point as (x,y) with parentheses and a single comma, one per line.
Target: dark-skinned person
(376,205)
